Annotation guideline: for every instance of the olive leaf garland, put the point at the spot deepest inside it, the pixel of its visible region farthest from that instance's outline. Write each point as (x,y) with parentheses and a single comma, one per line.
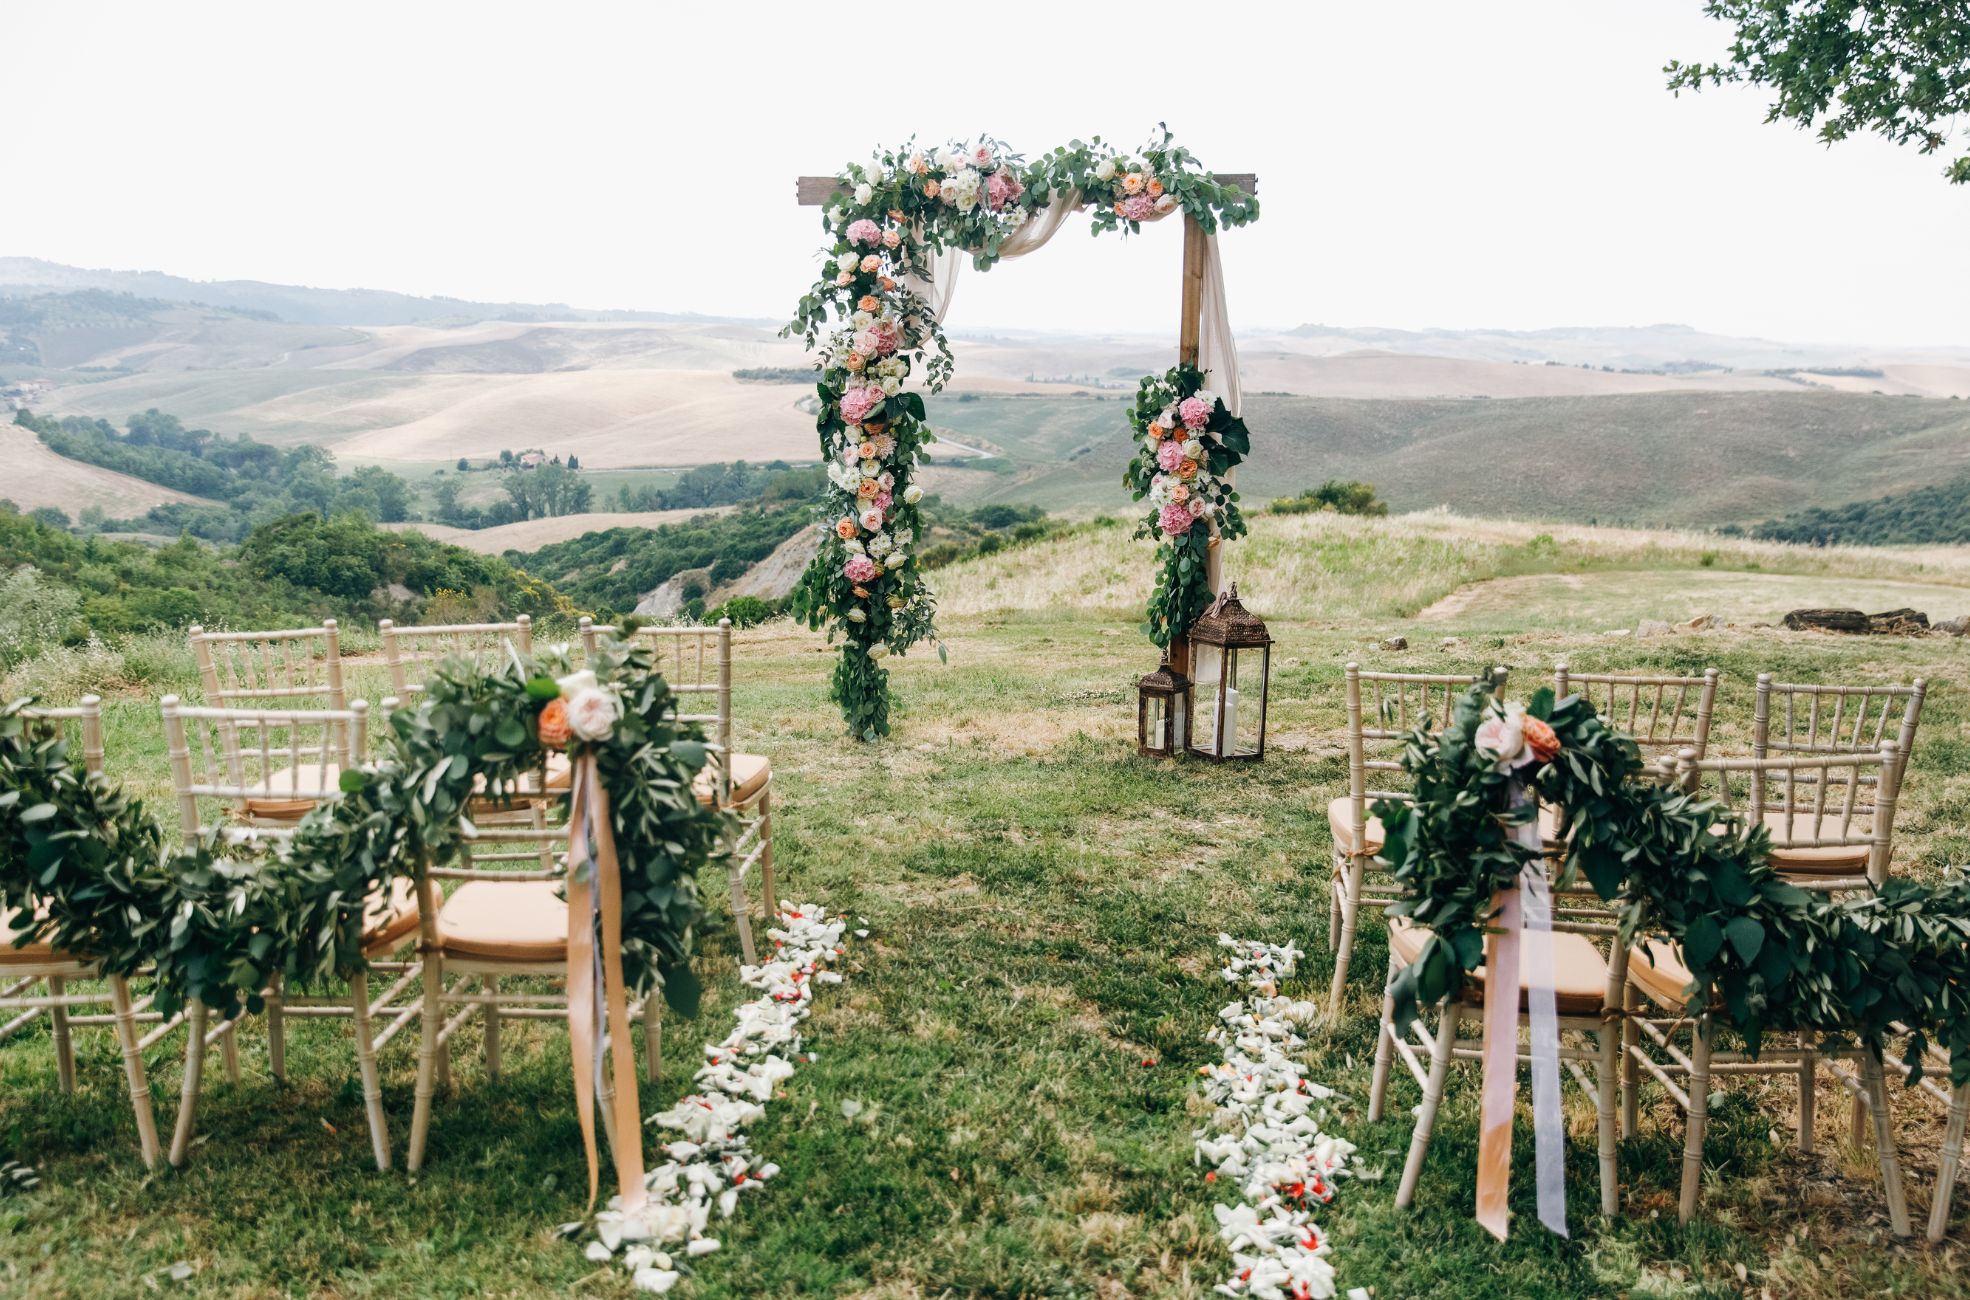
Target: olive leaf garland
(1682,867)
(1187,442)
(872,332)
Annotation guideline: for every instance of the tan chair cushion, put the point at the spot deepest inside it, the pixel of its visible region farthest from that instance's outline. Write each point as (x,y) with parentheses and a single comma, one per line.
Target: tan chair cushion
(518,920)
(1820,860)
(1579,970)
(12,927)
(1656,968)
(389,919)
(750,773)
(1340,820)
(290,793)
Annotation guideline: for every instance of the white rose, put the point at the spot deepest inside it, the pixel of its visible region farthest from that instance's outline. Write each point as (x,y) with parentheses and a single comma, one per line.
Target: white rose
(871,468)
(863,193)
(1105,170)
(905,536)
(878,652)
(575,683)
(858,616)
(1193,449)
(892,385)
(592,713)
(847,262)
(897,560)
(861,320)
(836,216)
(1167,419)
(912,494)
(1166,202)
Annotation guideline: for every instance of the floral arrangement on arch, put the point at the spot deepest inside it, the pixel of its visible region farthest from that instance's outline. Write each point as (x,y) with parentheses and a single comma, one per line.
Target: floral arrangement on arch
(872,332)
(1186,443)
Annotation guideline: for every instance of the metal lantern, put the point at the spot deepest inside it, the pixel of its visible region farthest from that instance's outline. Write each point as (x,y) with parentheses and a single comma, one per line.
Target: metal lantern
(1233,667)
(1162,712)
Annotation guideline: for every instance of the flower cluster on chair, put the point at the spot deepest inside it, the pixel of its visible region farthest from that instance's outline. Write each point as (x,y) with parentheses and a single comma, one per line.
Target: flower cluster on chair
(1186,442)
(711,1163)
(896,212)
(1682,867)
(1265,1135)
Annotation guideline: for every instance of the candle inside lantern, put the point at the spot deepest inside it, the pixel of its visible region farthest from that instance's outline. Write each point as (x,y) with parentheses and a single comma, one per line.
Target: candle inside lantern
(1229,730)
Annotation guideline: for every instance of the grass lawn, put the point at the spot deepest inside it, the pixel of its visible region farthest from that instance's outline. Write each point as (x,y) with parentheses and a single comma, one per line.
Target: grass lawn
(1020,1034)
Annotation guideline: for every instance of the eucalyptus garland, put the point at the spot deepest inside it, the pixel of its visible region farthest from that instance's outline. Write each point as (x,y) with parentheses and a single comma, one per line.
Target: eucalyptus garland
(872,330)
(1187,442)
(1681,867)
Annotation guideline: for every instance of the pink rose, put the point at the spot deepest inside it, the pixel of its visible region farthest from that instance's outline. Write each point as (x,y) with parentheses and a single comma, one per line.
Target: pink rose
(1169,455)
(867,342)
(860,568)
(886,339)
(1195,412)
(1138,207)
(1176,520)
(1199,507)
(857,403)
(981,155)
(1014,187)
(997,191)
(890,239)
(882,501)
(872,517)
(864,231)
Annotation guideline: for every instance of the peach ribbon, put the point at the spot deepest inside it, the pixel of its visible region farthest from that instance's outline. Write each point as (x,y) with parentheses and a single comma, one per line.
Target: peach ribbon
(595,890)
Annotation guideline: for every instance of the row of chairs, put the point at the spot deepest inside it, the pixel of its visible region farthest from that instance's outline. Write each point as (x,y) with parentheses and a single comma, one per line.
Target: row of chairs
(249,765)
(1824,777)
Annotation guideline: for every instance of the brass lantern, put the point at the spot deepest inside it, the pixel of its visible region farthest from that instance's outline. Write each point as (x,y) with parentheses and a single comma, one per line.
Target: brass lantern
(1233,665)
(1162,712)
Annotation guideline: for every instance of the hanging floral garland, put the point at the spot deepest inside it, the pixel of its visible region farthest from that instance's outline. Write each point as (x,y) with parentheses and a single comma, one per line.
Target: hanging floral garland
(1187,442)
(871,331)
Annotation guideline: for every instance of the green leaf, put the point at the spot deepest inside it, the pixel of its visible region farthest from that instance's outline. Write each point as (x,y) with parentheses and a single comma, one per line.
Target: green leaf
(543,688)
(40,812)
(1746,935)
(1701,942)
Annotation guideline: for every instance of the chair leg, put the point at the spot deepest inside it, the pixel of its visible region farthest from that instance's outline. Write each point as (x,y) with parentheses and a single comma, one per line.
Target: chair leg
(1697,1120)
(1808,1093)
(133,1069)
(1419,1142)
(1608,1081)
(1334,887)
(1857,1123)
(229,1048)
(743,920)
(1344,951)
(181,1137)
(653,1036)
(1946,1171)
(489,984)
(64,1045)
(276,1030)
(1384,1049)
(1884,1140)
(379,1131)
(431,1020)
(768,889)
(1631,1069)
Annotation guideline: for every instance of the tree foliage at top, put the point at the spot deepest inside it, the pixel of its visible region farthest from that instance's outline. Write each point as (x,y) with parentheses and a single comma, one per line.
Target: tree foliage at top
(1935,515)
(1898,68)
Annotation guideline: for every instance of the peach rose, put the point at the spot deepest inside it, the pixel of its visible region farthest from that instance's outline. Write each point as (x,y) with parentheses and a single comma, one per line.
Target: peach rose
(867,451)
(553,725)
(888,285)
(895,214)
(890,238)
(1155,189)
(870,302)
(1132,182)
(1118,209)
(867,488)
(1541,739)
(1155,433)
(871,263)
(1179,494)
(845,278)
(931,188)
(846,528)
(861,593)
(854,361)
(1187,470)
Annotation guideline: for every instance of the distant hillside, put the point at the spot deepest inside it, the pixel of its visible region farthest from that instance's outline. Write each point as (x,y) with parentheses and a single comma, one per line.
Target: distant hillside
(1939,513)
(1666,459)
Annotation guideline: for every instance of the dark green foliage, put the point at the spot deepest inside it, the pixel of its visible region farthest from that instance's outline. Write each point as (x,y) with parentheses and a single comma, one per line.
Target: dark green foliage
(551,490)
(1897,68)
(1934,515)
(746,611)
(1344,498)
(586,567)
(775,374)
(724,485)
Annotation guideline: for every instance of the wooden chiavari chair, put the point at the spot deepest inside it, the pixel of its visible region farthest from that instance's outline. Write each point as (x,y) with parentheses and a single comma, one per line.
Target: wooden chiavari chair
(298,667)
(1382,708)
(1808,802)
(251,789)
(697,661)
(1662,713)
(407,651)
(25,965)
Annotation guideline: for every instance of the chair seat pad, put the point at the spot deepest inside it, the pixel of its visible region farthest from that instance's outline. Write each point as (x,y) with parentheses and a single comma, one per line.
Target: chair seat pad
(518,920)
(390,918)
(750,772)
(290,793)
(1579,969)
(1340,820)
(12,927)
(1656,968)
(1817,860)
(557,776)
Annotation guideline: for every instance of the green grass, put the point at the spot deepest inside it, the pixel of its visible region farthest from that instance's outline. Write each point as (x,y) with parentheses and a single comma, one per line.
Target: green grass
(1044,910)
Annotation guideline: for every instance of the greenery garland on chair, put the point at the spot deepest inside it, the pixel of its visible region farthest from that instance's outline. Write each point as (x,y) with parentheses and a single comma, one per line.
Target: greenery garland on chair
(1683,868)
(896,212)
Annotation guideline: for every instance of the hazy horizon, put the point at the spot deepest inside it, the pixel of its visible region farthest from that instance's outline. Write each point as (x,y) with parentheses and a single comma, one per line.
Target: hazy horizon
(1518,169)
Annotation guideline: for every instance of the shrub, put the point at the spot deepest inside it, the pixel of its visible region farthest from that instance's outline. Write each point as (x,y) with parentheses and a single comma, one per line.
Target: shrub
(1346,498)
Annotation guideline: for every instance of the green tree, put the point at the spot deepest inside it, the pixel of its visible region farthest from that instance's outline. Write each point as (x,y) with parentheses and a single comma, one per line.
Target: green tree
(463,464)
(53,516)
(1897,68)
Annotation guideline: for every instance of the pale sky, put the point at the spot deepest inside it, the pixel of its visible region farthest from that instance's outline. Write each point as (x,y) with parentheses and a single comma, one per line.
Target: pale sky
(1509,165)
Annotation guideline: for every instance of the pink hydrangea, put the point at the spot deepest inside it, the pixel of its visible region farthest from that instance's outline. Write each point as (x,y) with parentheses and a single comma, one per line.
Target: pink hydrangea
(864,231)
(1175,520)
(886,339)
(998,191)
(1195,412)
(1169,455)
(856,403)
(860,568)
(1138,207)
(882,501)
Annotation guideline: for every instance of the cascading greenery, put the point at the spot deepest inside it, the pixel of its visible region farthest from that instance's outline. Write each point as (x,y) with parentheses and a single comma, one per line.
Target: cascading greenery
(218,923)
(1681,867)
(895,214)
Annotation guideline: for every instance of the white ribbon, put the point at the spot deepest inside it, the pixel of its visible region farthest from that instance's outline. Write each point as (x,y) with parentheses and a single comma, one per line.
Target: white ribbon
(1548,1122)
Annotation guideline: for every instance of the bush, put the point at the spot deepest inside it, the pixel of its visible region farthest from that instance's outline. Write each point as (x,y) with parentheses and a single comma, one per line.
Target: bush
(35,615)
(746,611)
(1344,498)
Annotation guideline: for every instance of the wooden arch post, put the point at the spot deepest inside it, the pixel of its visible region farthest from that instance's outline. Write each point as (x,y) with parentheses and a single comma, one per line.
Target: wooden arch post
(817,191)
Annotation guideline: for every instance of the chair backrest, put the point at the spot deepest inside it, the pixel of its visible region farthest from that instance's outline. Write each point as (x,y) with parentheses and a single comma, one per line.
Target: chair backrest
(1386,707)
(406,648)
(1801,718)
(1819,801)
(508,850)
(297,667)
(1667,714)
(696,661)
(267,766)
(88,717)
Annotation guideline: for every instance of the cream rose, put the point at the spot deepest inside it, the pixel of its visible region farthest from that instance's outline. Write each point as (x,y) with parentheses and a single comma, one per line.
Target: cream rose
(593,712)
(912,494)
(863,193)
